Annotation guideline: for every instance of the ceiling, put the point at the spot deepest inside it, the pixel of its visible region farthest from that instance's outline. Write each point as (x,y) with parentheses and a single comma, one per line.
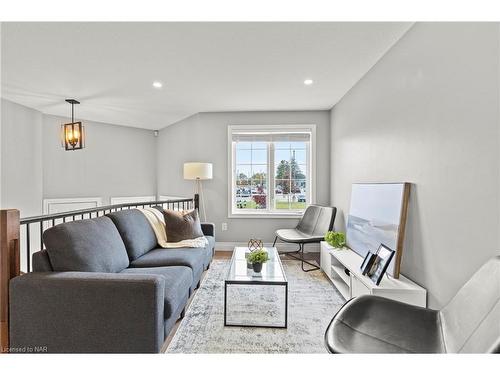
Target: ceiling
(204,67)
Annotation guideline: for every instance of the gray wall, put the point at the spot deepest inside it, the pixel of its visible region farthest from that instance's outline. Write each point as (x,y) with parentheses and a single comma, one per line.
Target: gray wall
(21,158)
(427,113)
(117,161)
(203,137)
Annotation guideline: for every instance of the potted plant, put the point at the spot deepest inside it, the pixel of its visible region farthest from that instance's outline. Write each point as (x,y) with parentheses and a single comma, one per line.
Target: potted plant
(257,258)
(335,239)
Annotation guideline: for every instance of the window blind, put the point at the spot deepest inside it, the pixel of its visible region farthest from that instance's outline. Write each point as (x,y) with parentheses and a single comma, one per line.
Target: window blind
(272,137)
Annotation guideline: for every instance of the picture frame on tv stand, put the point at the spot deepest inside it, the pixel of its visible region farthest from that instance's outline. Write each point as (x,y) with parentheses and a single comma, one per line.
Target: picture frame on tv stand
(377,215)
(367,262)
(378,268)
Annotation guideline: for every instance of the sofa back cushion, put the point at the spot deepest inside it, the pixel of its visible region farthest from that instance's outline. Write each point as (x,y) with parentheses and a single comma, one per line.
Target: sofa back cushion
(41,262)
(136,232)
(90,245)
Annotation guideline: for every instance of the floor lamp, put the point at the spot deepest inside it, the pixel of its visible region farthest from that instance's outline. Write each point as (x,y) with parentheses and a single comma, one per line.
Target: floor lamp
(198,172)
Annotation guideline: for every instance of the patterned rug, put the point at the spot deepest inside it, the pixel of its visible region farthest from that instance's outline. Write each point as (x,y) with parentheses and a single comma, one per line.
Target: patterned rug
(312,302)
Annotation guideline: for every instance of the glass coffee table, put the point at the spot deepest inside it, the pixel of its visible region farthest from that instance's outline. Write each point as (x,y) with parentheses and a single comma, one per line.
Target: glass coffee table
(241,274)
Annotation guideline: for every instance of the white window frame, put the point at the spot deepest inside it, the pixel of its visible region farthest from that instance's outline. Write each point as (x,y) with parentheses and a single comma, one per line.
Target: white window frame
(233,212)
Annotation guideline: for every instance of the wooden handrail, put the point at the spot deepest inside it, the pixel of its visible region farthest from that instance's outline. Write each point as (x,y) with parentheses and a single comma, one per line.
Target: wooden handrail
(9,268)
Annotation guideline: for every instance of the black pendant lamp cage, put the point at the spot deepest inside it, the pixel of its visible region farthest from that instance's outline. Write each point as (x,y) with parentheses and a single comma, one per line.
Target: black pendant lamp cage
(73,133)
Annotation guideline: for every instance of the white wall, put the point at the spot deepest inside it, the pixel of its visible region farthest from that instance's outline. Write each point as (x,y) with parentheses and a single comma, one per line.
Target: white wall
(117,161)
(428,113)
(21,159)
(203,137)
(121,161)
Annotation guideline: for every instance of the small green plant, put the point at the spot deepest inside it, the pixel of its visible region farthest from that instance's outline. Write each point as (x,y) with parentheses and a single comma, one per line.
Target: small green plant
(258,256)
(335,239)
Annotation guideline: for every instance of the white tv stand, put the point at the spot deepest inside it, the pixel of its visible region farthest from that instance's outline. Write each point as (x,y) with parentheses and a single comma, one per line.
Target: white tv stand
(334,262)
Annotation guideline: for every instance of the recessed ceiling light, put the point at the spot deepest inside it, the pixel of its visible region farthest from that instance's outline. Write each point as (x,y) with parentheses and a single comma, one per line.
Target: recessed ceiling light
(157,84)
(308,82)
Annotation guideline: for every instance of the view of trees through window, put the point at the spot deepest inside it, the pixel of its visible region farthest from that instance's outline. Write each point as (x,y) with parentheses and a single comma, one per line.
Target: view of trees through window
(287,161)
(290,178)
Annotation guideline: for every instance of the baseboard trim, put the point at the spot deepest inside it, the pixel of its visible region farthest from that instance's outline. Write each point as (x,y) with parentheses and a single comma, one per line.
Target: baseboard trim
(282,246)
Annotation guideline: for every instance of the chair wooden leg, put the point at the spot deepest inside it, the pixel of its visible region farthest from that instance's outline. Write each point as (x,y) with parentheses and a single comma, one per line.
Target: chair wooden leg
(275,239)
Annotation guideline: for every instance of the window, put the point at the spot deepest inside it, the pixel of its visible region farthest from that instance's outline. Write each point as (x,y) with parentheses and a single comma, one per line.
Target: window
(271,169)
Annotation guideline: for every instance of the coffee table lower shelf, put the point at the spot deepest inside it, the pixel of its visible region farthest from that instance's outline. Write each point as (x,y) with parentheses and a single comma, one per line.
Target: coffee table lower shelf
(253,283)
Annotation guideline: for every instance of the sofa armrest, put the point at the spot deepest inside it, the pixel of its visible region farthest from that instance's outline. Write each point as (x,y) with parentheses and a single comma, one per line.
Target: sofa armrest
(82,312)
(208,229)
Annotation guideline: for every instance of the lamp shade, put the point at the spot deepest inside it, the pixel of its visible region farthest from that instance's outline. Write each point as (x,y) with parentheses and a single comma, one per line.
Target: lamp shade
(197,171)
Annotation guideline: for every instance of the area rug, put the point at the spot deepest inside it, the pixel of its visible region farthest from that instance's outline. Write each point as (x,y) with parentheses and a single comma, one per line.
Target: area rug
(312,302)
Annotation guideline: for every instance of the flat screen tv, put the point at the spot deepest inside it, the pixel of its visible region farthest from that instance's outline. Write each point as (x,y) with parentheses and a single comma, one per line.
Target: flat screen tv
(377,215)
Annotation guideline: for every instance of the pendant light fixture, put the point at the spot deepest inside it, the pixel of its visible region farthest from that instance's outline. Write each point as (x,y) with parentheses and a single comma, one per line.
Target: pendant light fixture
(73,133)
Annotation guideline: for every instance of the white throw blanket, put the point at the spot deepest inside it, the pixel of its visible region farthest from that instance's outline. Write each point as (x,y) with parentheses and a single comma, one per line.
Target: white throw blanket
(157,222)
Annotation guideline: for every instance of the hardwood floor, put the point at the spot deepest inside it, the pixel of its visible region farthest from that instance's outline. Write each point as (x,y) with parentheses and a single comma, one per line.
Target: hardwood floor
(218,255)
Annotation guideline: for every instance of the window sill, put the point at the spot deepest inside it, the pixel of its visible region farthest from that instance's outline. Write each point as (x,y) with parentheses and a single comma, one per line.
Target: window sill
(278,215)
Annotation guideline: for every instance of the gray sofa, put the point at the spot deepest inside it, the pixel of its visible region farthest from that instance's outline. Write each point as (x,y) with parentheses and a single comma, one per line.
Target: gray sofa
(103,285)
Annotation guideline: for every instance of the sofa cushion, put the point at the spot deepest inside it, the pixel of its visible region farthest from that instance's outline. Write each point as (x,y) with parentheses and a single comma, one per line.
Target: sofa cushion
(192,258)
(136,232)
(90,245)
(160,257)
(182,225)
(178,280)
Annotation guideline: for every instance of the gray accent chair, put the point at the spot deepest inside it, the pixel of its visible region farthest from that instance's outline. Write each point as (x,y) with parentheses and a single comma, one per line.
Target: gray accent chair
(312,227)
(469,323)
(102,285)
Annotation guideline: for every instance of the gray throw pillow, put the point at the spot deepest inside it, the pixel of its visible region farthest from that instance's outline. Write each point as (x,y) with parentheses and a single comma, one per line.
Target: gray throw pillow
(182,225)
